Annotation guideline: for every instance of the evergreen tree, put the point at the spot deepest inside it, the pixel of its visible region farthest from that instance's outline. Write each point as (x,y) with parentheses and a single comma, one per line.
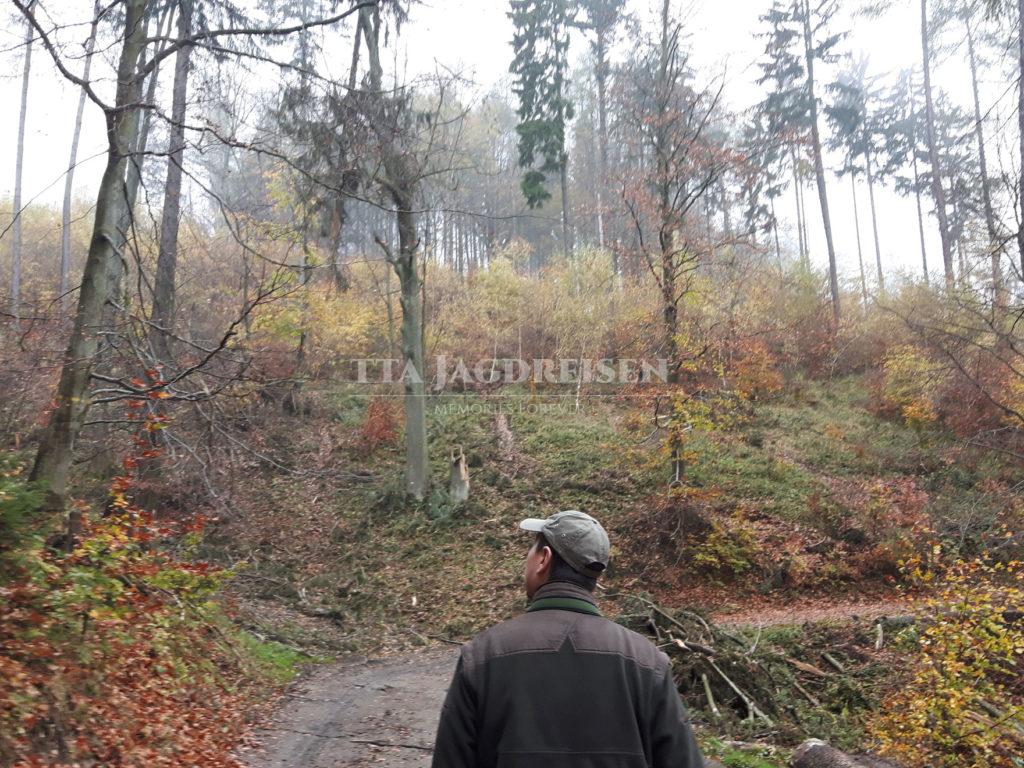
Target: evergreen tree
(855,129)
(541,44)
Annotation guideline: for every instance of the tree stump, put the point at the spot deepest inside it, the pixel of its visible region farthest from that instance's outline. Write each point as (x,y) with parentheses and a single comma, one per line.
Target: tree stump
(458,478)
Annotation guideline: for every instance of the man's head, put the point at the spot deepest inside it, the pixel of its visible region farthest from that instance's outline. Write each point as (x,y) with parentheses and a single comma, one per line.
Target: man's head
(570,546)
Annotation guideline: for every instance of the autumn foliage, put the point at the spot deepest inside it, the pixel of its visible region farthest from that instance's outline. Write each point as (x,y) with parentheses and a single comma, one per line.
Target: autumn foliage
(964,703)
(110,650)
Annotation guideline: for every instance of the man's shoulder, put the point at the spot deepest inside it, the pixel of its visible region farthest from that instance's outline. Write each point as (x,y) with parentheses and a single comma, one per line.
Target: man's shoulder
(549,630)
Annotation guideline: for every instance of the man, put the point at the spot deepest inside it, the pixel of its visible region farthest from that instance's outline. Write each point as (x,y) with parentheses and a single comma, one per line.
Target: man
(561,686)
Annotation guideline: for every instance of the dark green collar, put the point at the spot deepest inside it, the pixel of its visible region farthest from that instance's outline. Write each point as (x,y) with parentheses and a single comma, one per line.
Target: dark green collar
(564,604)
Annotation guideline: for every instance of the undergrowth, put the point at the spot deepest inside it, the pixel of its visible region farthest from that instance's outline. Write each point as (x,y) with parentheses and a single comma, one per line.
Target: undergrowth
(113,648)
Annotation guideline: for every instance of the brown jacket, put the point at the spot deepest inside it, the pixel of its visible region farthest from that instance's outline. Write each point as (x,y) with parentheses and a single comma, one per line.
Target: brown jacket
(563,687)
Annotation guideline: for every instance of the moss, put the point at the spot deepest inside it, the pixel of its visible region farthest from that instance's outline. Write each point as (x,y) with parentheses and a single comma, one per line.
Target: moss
(275,661)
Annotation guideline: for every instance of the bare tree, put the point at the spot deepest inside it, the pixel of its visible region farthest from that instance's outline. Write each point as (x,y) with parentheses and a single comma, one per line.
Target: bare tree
(18,168)
(399,177)
(53,459)
(162,316)
(65,222)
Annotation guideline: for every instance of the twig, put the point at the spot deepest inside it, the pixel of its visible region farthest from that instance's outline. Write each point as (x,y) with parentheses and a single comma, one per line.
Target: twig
(711,699)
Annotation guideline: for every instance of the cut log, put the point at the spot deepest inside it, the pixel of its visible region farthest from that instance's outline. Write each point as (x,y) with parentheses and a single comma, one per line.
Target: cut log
(817,754)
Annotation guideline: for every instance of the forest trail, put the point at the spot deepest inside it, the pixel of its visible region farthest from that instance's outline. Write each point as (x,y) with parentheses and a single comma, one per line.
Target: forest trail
(384,712)
(364,713)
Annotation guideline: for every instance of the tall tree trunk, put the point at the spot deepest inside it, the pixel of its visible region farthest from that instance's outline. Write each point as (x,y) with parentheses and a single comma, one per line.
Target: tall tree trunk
(1020,127)
(920,218)
(986,192)
(143,123)
(938,193)
(874,221)
(53,459)
(65,220)
(417,478)
(860,250)
(402,183)
(18,167)
(162,317)
(566,221)
(819,166)
(775,234)
(799,209)
(602,139)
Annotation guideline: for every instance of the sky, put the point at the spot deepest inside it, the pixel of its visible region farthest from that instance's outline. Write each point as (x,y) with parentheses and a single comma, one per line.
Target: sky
(473,36)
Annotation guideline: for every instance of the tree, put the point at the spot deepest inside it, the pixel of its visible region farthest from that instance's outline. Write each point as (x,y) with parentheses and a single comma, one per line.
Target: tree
(601,17)
(938,192)
(541,44)
(816,49)
(18,168)
(65,242)
(399,176)
(901,125)
(675,162)
(53,459)
(855,128)
(102,272)
(162,316)
(796,39)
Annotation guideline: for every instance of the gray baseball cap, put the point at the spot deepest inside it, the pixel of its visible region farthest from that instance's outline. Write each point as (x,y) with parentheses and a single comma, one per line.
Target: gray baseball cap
(577,537)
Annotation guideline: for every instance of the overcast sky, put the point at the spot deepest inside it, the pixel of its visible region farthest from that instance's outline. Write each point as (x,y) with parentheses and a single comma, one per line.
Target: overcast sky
(472,36)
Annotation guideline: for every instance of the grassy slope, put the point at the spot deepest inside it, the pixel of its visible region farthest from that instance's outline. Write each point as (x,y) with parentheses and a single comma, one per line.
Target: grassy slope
(355,548)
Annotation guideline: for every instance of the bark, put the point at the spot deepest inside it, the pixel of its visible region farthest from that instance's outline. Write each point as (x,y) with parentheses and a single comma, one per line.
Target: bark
(938,193)
(799,209)
(986,192)
(53,459)
(566,219)
(601,73)
(920,219)
(1020,128)
(18,168)
(874,221)
(401,182)
(818,754)
(162,318)
(406,267)
(140,140)
(819,166)
(65,221)
(775,234)
(860,250)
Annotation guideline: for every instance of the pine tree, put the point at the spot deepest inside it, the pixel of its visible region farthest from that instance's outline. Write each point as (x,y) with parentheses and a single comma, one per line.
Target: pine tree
(541,44)
(853,120)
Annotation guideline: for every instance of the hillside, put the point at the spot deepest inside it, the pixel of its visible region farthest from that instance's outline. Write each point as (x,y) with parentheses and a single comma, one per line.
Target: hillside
(791,493)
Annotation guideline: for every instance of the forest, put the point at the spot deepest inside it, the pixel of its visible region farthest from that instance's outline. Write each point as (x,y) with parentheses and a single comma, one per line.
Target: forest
(304,305)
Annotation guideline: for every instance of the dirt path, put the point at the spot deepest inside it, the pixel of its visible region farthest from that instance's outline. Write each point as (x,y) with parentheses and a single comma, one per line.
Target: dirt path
(369,713)
(384,712)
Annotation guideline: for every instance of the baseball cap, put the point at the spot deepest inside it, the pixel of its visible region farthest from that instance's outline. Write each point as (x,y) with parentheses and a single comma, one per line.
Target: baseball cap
(577,537)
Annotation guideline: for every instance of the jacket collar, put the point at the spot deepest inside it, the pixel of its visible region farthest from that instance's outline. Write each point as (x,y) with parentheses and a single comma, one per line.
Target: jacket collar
(563,589)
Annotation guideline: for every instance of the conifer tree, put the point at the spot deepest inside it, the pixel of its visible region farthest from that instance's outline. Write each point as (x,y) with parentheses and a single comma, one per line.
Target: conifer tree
(541,44)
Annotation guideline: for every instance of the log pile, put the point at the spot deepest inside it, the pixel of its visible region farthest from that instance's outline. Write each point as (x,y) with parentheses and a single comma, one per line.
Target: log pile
(742,682)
